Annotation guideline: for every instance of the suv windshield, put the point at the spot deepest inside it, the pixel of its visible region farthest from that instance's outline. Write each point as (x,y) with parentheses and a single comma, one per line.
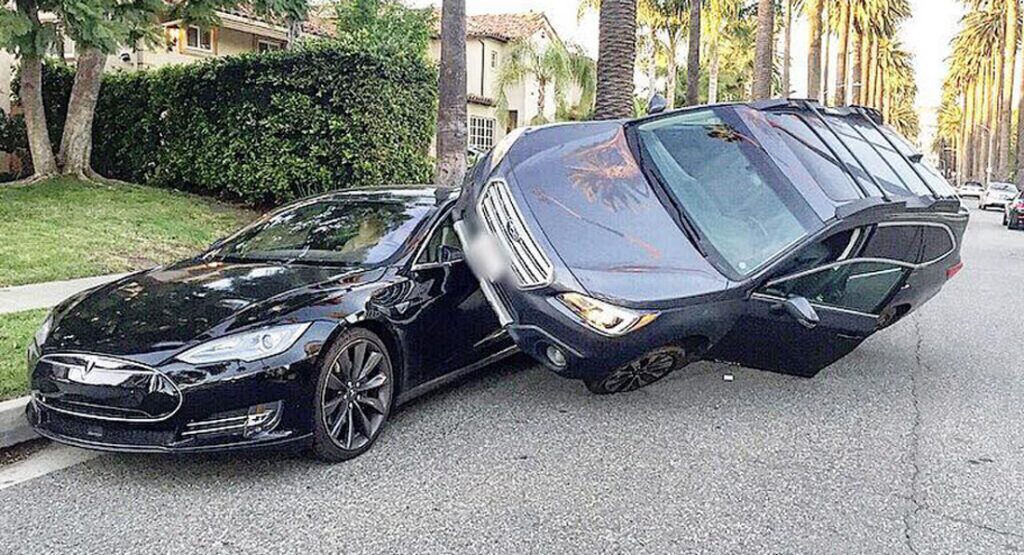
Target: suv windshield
(341,231)
(1008,187)
(727,186)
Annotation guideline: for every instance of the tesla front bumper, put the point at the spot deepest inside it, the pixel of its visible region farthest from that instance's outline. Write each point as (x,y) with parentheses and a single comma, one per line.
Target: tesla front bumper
(178,407)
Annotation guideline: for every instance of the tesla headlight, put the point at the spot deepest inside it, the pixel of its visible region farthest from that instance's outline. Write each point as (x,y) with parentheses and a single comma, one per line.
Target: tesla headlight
(43,333)
(603,317)
(246,347)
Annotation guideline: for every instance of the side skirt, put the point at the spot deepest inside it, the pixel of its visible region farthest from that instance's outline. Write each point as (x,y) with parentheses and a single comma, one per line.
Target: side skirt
(450,377)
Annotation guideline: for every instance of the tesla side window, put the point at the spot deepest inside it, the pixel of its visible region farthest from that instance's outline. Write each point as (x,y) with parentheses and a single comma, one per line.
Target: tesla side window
(334,231)
(728,187)
(894,159)
(860,286)
(442,238)
(867,155)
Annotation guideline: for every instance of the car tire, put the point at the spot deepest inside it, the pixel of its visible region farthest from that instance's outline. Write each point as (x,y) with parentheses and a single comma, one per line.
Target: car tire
(1006,220)
(353,397)
(642,372)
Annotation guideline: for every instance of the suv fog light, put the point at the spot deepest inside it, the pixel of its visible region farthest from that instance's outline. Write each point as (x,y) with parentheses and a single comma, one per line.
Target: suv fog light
(556,356)
(262,418)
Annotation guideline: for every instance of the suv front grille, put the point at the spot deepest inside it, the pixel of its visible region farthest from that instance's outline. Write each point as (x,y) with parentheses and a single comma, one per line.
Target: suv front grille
(502,218)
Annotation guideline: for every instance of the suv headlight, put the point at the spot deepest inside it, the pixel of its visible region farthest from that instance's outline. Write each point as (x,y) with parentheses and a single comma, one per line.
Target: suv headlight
(247,347)
(605,318)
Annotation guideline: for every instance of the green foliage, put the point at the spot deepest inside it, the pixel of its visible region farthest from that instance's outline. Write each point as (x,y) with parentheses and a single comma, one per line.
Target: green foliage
(16,330)
(385,26)
(263,128)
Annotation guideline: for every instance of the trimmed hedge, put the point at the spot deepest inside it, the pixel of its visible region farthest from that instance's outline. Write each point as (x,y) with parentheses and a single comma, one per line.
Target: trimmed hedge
(263,128)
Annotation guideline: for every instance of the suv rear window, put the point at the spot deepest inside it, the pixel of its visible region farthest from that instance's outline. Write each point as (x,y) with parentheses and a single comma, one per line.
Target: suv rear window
(727,186)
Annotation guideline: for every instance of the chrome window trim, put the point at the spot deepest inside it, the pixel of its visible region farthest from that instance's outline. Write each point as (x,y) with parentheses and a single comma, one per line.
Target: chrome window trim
(144,369)
(764,297)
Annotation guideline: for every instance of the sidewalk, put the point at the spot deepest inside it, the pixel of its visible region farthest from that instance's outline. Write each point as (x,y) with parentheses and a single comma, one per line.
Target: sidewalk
(46,295)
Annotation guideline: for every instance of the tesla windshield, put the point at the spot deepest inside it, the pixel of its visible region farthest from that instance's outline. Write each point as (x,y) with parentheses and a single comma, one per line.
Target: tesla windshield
(726,184)
(332,230)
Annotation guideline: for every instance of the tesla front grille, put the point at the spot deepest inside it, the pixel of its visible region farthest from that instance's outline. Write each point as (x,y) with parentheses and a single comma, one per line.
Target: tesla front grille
(504,221)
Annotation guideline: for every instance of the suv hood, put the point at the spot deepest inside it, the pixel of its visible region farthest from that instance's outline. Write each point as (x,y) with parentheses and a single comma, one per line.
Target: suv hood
(167,308)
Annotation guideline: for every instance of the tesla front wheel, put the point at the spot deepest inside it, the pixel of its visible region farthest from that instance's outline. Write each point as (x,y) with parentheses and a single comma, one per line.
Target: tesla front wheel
(642,372)
(353,396)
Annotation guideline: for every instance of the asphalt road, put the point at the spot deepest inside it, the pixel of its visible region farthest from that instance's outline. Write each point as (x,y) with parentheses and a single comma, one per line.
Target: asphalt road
(912,444)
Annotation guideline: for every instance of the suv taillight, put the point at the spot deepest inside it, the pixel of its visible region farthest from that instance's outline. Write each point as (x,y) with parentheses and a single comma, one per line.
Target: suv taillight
(1019,205)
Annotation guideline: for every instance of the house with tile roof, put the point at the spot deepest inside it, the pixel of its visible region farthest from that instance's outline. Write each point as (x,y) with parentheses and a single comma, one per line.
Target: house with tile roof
(488,40)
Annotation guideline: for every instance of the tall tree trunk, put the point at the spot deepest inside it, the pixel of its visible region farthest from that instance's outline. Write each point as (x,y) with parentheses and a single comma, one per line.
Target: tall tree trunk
(970,130)
(856,72)
(842,54)
(672,64)
(542,98)
(452,118)
(763,60)
(1009,74)
(714,70)
(76,145)
(981,169)
(31,94)
(996,99)
(874,93)
(787,48)
(616,57)
(865,68)
(693,56)
(814,9)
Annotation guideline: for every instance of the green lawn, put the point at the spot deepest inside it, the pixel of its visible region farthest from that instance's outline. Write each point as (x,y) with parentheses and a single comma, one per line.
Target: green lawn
(63,229)
(16,331)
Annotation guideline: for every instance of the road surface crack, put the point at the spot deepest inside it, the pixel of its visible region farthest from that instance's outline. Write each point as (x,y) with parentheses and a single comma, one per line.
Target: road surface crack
(915,441)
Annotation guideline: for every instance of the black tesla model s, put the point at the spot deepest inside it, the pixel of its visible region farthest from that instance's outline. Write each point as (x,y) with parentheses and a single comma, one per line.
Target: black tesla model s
(778,235)
(307,326)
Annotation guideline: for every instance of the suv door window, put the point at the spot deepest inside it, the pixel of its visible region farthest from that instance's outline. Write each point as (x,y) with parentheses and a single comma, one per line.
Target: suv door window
(860,286)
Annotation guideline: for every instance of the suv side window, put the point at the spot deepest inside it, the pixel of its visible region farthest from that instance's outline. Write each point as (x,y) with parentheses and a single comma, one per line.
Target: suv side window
(858,285)
(443,236)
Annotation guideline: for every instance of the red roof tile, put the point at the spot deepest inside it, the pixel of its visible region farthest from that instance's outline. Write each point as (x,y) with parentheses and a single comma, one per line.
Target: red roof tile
(504,27)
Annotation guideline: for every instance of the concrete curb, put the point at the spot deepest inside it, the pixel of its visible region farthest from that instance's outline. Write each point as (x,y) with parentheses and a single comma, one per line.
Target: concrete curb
(14,428)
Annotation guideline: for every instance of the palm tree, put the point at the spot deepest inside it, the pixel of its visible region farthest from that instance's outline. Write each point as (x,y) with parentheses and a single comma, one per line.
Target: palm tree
(763,60)
(843,28)
(814,10)
(719,15)
(1010,38)
(451,109)
(616,58)
(552,66)
(693,55)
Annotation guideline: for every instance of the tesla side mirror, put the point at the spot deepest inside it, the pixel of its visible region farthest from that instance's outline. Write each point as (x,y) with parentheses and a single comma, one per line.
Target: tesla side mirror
(450,254)
(802,311)
(657,104)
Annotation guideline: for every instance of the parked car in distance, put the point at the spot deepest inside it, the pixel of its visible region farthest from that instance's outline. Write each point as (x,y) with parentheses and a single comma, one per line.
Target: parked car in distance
(997,194)
(970,189)
(1013,212)
(777,235)
(305,328)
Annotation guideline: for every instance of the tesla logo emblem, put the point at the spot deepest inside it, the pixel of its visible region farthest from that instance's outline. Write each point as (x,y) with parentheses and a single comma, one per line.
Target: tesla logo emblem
(88,366)
(512,232)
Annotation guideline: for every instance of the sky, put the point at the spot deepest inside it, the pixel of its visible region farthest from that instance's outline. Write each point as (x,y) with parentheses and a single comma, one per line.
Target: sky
(927,35)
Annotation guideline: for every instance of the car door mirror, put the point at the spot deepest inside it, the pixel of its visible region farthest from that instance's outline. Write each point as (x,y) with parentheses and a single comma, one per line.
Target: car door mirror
(802,311)
(450,254)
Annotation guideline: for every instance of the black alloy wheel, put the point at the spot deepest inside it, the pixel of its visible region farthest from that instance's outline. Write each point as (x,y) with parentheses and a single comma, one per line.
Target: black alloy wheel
(353,396)
(642,372)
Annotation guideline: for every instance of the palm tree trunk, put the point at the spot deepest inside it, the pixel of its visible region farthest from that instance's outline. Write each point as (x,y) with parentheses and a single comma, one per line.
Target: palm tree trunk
(865,69)
(672,66)
(970,130)
(814,8)
(693,56)
(856,74)
(31,95)
(827,63)
(763,50)
(842,53)
(713,73)
(982,113)
(787,48)
(616,57)
(1009,74)
(452,117)
(76,144)
(996,101)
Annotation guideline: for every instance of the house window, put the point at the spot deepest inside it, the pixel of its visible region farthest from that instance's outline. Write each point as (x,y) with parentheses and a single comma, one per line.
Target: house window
(268,46)
(199,39)
(494,59)
(481,132)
